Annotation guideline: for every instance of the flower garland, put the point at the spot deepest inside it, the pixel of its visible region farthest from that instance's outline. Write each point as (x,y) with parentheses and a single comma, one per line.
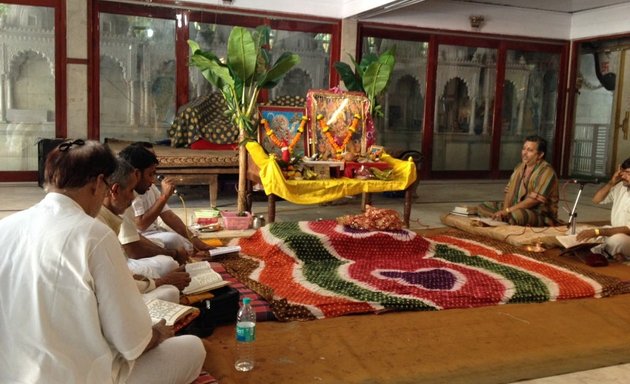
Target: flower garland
(331,140)
(282,143)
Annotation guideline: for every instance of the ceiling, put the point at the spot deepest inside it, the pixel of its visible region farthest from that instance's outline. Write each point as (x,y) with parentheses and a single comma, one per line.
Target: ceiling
(365,9)
(565,6)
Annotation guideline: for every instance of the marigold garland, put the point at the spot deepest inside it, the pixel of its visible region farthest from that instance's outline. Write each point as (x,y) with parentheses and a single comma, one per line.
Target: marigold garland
(331,140)
(281,144)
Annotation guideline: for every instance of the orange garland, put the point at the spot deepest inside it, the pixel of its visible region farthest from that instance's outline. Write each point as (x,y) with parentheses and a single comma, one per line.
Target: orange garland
(280,144)
(331,140)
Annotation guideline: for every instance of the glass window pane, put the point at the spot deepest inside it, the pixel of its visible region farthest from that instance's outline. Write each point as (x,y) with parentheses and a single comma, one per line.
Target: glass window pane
(530,96)
(400,128)
(312,72)
(27,84)
(463,108)
(593,134)
(137,77)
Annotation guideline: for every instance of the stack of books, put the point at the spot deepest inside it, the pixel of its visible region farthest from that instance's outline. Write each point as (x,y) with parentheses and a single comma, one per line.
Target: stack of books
(464,210)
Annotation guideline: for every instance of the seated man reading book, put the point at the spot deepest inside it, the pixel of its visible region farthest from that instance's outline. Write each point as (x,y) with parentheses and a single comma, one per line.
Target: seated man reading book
(71,311)
(166,285)
(617,235)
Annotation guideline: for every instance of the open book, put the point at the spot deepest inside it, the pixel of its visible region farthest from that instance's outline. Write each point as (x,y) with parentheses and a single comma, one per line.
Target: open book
(202,278)
(224,250)
(570,241)
(464,210)
(176,315)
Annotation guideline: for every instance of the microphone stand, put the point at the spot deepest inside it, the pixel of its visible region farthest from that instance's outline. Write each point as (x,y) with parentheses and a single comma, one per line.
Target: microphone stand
(573,215)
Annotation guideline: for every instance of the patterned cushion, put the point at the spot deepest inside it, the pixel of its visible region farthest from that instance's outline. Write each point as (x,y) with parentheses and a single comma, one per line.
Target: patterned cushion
(203,118)
(288,101)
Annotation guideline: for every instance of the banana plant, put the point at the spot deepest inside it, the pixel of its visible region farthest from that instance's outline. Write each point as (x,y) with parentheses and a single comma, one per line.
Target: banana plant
(246,70)
(371,76)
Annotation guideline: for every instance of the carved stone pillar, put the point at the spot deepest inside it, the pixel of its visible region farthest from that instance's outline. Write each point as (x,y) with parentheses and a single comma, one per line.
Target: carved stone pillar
(473,115)
(144,110)
(9,92)
(519,124)
(3,111)
(132,105)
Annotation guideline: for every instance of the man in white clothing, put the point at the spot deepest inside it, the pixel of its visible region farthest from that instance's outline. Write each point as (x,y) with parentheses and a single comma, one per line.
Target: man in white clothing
(119,198)
(150,206)
(617,235)
(70,309)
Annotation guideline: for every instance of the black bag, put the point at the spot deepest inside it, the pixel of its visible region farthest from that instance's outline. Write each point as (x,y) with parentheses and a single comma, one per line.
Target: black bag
(221,309)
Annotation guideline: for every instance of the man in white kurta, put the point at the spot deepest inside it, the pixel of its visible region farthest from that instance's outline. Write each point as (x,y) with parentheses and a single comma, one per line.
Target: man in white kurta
(146,286)
(616,236)
(70,311)
(152,266)
(155,231)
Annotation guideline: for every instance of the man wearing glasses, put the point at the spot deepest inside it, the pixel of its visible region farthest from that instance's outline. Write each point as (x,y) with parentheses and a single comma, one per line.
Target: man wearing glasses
(71,312)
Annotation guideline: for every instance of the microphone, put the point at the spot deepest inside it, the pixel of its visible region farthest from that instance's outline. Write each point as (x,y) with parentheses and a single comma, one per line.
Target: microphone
(582,182)
(160,178)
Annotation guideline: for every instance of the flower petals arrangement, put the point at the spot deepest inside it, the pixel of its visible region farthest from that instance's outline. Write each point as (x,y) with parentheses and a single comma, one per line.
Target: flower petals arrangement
(287,149)
(339,149)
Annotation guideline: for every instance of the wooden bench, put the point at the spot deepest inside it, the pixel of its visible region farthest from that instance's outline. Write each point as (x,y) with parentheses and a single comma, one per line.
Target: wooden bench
(191,167)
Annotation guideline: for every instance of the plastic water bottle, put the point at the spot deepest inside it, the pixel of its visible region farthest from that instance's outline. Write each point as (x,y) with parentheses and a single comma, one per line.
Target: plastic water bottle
(245,337)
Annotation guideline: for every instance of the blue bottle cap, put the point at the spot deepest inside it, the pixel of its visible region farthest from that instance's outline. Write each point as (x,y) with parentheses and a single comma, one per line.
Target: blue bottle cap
(247,300)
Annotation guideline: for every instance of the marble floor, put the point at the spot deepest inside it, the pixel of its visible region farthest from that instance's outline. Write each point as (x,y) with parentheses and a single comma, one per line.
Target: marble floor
(434,198)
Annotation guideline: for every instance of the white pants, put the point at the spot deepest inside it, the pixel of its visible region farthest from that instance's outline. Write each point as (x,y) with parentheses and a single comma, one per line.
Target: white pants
(153,267)
(618,244)
(163,292)
(168,239)
(177,360)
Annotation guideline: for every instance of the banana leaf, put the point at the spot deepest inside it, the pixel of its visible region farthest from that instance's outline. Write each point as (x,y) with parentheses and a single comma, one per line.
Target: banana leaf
(349,78)
(285,62)
(211,68)
(366,61)
(357,67)
(242,54)
(261,39)
(377,75)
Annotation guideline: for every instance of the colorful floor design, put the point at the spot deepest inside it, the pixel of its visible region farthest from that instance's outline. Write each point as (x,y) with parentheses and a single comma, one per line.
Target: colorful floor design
(314,270)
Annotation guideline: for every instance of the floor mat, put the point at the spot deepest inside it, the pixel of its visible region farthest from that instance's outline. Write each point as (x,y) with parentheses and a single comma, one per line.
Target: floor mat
(313,270)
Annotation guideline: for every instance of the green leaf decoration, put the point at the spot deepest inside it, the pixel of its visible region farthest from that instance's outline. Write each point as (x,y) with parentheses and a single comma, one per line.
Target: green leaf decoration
(242,53)
(285,62)
(349,78)
(371,76)
(377,75)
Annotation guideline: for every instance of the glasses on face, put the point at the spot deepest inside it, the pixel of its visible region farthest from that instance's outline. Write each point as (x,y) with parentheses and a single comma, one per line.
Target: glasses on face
(65,146)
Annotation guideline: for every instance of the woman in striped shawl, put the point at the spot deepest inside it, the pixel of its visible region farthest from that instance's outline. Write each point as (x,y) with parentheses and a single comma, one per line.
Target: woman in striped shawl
(531,195)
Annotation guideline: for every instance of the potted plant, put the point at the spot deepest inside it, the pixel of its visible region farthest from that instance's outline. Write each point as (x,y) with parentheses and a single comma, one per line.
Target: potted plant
(370,76)
(246,70)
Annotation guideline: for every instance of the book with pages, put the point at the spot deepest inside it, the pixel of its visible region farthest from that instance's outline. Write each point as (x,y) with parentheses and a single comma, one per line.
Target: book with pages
(224,250)
(176,315)
(464,210)
(570,241)
(202,278)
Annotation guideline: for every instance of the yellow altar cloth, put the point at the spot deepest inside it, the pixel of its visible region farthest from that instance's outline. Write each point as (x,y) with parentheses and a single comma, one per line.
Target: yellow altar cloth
(321,191)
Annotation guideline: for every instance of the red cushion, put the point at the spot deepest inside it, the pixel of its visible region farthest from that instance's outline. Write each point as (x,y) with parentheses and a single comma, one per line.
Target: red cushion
(205,144)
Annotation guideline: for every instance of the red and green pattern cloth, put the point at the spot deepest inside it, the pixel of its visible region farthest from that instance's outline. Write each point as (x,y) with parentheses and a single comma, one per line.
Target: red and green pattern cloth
(309,270)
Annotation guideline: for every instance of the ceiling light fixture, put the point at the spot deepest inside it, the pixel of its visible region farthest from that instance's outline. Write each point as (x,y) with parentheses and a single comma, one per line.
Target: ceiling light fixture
(477,21)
